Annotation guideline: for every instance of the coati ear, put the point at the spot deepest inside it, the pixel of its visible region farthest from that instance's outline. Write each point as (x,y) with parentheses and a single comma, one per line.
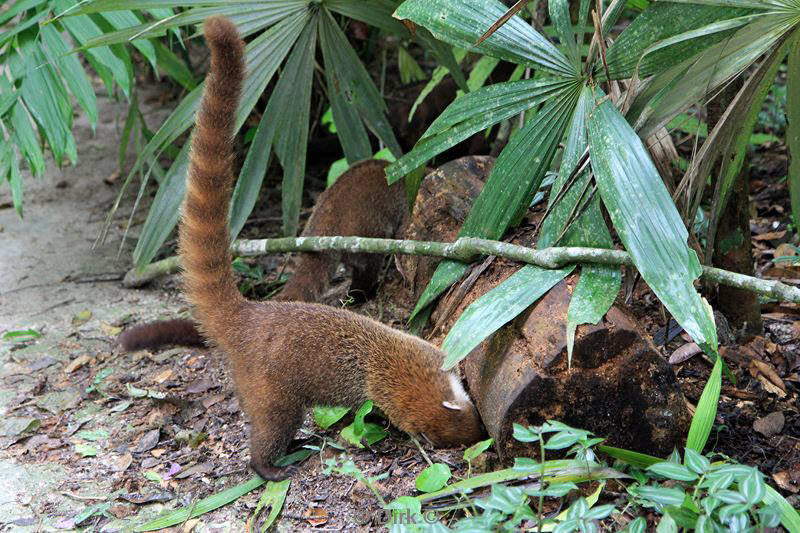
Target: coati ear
(451,406)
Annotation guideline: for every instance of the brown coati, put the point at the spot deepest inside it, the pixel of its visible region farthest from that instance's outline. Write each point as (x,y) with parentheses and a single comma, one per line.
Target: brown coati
(288,356)
(359,203)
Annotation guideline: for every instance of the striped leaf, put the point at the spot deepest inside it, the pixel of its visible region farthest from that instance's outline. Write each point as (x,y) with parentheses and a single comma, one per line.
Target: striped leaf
(496,308)
(793,125)
(475,112)
(263,55)
(462,22)
(703,419)
(514,180)
(662,20)
(647,222)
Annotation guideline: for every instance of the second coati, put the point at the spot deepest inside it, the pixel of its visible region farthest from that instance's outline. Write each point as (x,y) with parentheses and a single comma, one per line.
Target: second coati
(359,203)
(288,356)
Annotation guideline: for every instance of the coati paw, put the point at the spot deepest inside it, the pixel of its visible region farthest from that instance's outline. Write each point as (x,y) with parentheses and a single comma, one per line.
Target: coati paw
(273,473)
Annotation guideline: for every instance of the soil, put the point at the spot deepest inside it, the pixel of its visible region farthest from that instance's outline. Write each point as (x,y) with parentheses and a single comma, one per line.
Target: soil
(95,438)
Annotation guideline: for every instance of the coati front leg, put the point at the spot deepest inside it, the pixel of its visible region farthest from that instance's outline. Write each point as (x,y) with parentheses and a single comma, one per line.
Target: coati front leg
(366,270)
(272,428)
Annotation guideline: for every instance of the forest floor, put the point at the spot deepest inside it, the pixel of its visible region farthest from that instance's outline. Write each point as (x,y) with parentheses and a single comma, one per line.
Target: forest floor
(95,438)
(98,439)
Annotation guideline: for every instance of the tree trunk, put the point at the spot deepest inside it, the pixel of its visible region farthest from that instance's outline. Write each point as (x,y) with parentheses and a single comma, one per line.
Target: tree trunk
(733,244)
(618,386)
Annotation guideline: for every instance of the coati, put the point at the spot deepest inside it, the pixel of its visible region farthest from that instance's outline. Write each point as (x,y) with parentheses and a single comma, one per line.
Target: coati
(358,203)
(287,356)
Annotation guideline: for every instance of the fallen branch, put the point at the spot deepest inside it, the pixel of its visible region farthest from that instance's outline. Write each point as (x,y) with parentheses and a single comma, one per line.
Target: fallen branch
(465,249)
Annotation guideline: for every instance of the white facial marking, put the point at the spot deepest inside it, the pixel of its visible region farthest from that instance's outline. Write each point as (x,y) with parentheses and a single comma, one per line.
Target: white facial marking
(459,393)
(451,406)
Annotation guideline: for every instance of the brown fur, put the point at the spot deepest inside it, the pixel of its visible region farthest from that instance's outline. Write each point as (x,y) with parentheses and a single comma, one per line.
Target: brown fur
(286,357)
(358,203)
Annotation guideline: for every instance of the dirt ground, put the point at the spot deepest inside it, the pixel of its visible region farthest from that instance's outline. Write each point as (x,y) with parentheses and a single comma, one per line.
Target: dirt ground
(97,439)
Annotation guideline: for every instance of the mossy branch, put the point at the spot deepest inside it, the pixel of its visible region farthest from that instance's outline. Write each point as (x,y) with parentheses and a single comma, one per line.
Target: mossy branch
(465,249)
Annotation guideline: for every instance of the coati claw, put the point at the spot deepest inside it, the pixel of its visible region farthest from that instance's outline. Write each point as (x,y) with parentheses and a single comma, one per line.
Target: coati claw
(273,473)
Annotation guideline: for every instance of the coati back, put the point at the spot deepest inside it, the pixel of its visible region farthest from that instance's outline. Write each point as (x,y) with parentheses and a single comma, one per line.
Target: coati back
(286,357)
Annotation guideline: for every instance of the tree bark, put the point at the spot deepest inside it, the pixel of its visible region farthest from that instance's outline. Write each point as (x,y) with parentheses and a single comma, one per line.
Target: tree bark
(733,244)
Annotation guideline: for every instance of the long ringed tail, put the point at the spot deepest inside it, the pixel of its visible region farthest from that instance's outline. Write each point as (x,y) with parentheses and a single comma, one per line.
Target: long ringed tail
(152,335)
(204,241)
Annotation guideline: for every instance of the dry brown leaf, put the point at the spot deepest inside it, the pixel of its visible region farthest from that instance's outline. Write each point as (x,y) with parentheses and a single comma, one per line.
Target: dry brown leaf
(211,400)
(781,272)
(77,363)
(120,463)
(770,425)
(316,516)
(785,250)
(12,369)
(684,353)
(163,376)
(111,178)
(188,526)
(788,480)
(122,511)
(770,235)
(108,329)
(760,368)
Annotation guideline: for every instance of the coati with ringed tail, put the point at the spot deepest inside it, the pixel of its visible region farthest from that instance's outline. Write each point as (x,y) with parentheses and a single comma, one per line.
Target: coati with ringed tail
(288,356)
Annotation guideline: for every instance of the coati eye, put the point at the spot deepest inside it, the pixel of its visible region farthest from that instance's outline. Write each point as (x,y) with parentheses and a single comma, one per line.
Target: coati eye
(451,406)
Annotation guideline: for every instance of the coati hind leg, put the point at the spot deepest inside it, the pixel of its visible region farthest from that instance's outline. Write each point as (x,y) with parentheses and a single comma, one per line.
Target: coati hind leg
(272,429)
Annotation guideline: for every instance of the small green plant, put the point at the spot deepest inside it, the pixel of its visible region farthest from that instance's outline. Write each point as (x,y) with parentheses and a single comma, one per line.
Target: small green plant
(474,451)
(325,417)
(345,466)
(689,494)
(433,478)
(703,496)
(360,430)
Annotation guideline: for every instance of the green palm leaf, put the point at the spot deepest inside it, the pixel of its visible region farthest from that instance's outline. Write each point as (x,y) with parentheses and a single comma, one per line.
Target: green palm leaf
(462,22)
(647,222)
(514,180)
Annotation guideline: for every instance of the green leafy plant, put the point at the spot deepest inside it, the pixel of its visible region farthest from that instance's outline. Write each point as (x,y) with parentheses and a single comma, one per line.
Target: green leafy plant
(42,76)
(688,48)
(677,53)
(274,495)
(708,497)
(433,477)
(474,451)
(281,35)
(603,160)
(692,494)
(21,335)
(360,430)
(345,466)
(325,417)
